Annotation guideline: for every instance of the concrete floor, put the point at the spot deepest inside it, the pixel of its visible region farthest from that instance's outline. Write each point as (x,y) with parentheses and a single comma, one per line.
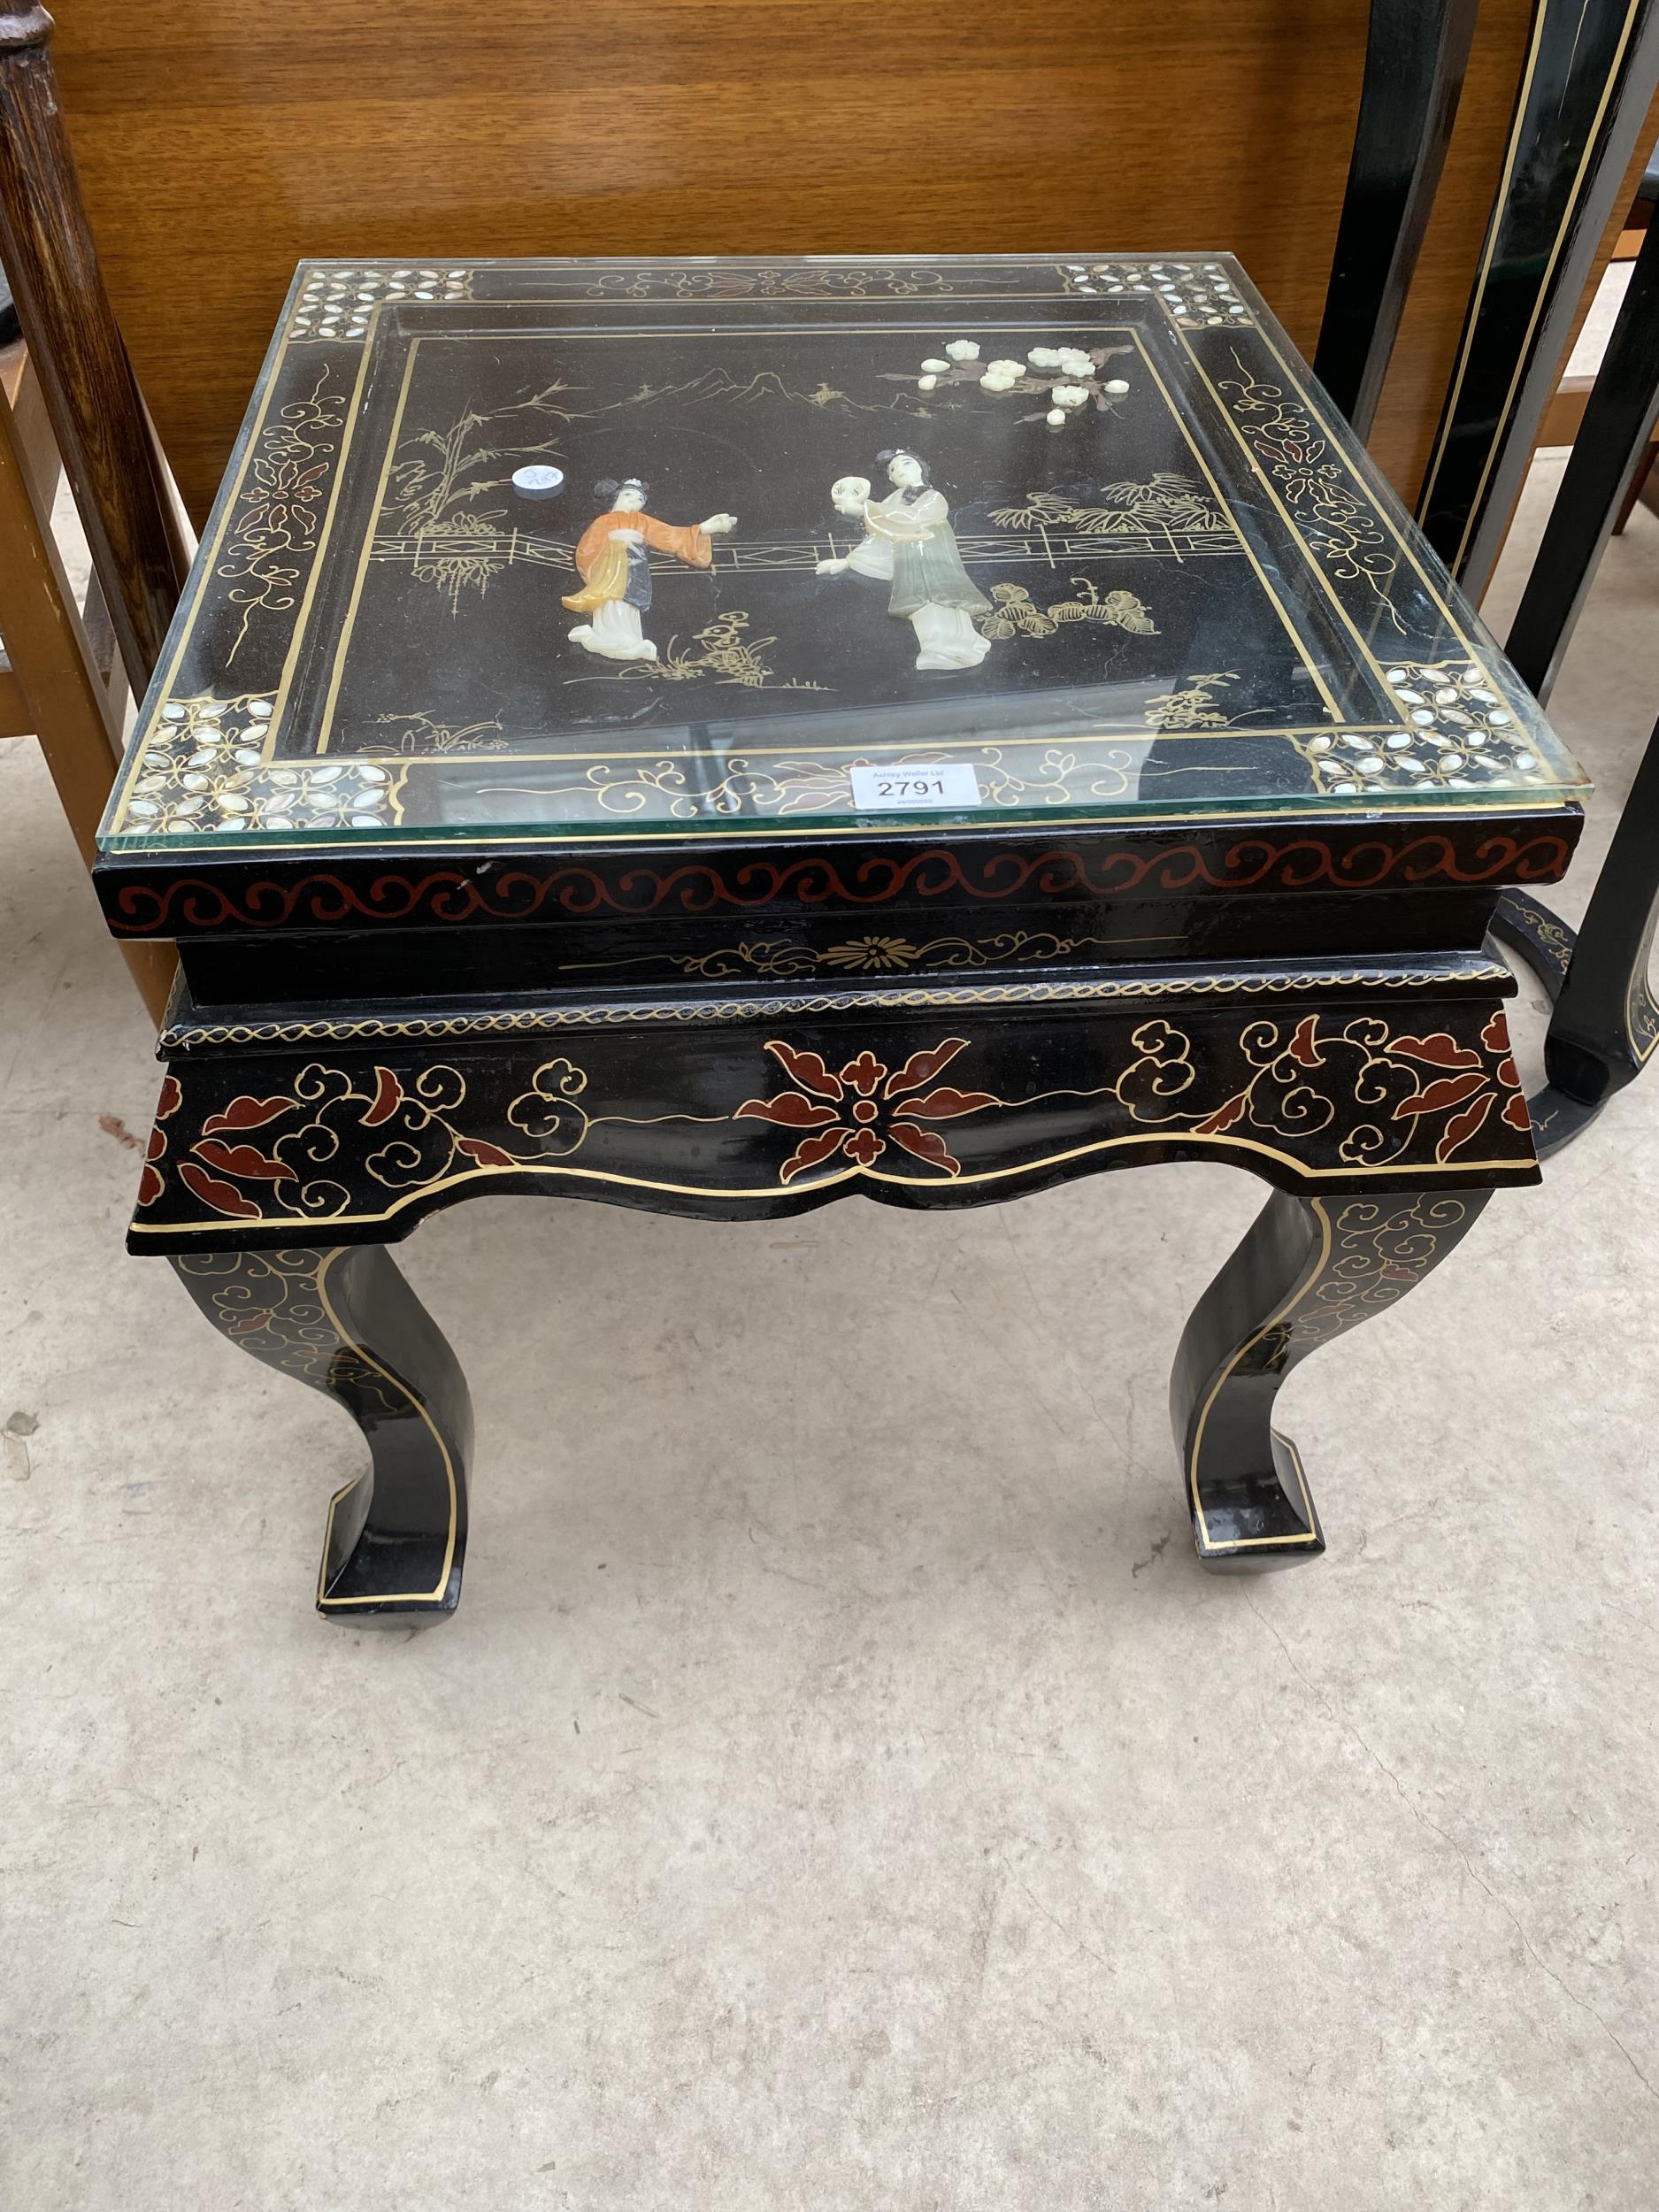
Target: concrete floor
(840,1788)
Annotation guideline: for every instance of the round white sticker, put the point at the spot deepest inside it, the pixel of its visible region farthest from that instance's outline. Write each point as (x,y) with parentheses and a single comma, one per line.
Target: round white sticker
(538,481)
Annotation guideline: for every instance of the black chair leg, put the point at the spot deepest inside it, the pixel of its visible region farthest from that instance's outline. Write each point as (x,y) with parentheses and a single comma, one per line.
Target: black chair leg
(1589,75)
(1604,1021)
(1610,448)
(1414,60)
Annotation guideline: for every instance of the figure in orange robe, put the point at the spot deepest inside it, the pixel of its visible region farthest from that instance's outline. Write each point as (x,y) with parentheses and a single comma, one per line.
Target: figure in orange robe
(616,573)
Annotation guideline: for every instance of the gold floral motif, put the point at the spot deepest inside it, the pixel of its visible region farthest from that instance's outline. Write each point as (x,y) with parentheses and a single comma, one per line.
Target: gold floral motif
(898,282)
(300,1151)
(1006,948)
(455,565)
(859,955)
(860,1111)
(1399,1085)
(278,505)
(267,1302)
(727,655)
(422,736)
(1015,611)
(755,956)
(1192,707)
(1551,939)
(1323,499)
(431,517)
(1163,501)
(872,955)
(1382,1099)
(271,1304)
(1055,777)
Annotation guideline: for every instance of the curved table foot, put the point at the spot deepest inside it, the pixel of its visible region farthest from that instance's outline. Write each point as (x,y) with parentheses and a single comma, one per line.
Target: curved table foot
(1308,1269)
(345,1322)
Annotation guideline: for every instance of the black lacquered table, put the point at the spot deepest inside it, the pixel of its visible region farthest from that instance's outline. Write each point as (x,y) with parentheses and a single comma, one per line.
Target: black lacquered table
(722,736)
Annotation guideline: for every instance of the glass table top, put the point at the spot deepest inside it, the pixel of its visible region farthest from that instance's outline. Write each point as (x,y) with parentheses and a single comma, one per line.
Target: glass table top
(547,550)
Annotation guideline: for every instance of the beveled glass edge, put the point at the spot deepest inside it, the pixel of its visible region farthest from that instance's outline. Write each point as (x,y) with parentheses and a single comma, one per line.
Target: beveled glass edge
(1568,786)
(1403,525)
(109,836)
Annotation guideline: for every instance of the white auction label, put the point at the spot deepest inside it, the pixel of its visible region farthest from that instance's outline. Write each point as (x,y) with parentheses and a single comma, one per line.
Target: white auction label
(930,783)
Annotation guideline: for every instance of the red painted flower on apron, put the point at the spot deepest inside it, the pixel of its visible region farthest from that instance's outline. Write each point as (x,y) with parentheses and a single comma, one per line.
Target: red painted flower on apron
(856,1113)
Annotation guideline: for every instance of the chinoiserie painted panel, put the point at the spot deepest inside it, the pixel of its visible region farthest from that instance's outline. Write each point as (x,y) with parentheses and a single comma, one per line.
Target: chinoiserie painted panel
(544,550)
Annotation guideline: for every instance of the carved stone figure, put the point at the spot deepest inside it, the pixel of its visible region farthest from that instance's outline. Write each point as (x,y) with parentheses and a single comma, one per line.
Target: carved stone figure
(909,542)
(615,568)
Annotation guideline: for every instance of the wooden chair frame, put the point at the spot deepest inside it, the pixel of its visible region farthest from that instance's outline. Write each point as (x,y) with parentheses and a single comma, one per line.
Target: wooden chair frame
(1604,1022)
(1580,109)
(1416,56)
(60,677)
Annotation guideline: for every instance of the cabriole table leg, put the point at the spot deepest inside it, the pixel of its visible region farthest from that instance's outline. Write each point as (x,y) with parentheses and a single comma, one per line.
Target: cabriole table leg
(1308,1269)
(345,1322)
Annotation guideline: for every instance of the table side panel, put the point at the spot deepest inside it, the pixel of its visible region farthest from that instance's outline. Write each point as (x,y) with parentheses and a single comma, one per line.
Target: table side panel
(735,1110)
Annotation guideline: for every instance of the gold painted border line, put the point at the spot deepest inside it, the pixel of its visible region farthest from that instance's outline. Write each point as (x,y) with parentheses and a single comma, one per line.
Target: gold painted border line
(1540,19)
(1129,734)
(1034,991)
(399,1597)
(1449,1172)
(696,303)
(1380,502)
(1211,1546)
(1311,560)
(1591,148)
(1304,1284)
(122,839)
(206,565)
(285,341)
(337,662)
(297,640)
(1299,643)
(570,839)
(1430,589)
(1130,329)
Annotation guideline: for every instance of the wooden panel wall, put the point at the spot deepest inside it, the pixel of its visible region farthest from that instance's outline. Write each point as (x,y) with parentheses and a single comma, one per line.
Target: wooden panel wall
(220,139)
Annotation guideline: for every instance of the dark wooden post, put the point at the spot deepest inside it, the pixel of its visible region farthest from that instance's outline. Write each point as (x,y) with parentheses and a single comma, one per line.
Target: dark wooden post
(1415,60)
(95,413)
(1584,94)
